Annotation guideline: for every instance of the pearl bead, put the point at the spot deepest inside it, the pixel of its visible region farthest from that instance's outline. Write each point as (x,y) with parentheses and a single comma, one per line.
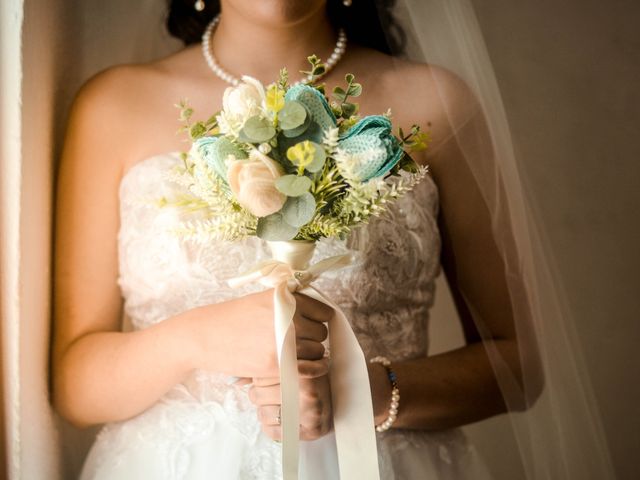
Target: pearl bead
(395,395)
(338,51)
(264,148)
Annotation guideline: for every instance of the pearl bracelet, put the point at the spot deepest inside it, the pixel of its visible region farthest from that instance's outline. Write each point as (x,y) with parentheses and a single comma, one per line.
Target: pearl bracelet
(395,394)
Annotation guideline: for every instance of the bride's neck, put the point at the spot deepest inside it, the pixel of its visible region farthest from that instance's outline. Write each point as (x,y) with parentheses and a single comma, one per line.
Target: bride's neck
(244,47)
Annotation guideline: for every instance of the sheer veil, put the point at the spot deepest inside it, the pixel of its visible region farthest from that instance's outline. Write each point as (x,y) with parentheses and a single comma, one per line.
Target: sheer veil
(558,431)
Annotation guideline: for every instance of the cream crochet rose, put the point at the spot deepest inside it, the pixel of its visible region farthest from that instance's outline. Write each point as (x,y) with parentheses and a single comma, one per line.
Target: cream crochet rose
(252,182)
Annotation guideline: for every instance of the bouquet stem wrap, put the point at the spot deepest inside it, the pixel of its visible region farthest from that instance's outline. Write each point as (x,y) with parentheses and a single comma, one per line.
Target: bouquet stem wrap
(288,272)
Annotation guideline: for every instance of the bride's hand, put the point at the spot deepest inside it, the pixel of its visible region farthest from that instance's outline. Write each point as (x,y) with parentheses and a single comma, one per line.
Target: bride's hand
(243,327)
(315,401)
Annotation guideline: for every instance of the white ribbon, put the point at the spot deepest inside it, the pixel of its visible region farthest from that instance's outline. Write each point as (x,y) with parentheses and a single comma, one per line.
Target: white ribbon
(353,421)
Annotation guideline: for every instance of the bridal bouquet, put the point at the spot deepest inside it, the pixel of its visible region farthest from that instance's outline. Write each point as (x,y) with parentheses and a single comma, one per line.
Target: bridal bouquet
(291,166)
(286,162)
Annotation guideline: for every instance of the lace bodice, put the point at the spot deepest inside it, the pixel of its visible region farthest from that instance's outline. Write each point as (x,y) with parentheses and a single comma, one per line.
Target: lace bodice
(386,295)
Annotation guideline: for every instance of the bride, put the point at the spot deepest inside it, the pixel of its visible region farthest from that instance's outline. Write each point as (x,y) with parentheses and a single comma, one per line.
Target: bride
(165,387)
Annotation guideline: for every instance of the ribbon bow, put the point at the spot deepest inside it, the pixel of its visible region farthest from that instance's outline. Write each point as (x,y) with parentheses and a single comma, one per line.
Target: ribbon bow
(350,390)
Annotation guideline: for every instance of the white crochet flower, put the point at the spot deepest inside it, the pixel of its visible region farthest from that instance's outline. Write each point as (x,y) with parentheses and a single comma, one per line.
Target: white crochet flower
(241,103)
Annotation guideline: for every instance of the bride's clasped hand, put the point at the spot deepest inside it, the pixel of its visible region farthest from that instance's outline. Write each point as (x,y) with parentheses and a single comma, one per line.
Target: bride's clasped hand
(246,337)
(237,337)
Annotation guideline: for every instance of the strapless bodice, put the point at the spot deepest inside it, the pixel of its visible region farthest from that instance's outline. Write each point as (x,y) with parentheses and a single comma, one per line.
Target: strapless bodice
(386,293)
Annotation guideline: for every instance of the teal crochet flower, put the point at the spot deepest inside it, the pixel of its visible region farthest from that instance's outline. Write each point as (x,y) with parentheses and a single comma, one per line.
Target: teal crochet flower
(372,147)
(370,142)
(315,103)
(319,118)
(214,151)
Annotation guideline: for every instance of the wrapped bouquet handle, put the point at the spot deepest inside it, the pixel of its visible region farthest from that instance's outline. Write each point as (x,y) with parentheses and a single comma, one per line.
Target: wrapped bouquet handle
(289,271)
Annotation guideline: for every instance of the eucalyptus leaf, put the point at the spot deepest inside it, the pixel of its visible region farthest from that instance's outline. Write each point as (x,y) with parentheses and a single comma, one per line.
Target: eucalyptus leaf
(258,130)
(299,130)
(319,158)
(292,115)
(298,211)
(275,228)
(293,185)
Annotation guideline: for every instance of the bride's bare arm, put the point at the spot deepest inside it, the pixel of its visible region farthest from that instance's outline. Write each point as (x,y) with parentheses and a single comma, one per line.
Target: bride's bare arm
(99,373)
(459,387)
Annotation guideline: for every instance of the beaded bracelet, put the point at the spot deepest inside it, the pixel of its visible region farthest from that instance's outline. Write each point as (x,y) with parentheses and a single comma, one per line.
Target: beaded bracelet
(395,394)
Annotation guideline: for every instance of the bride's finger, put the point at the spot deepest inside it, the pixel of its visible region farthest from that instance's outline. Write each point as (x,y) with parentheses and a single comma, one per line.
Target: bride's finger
(266,381)
(313,309)
(310,329)
(269,414)
(309,349)
(313,368)
(265,395)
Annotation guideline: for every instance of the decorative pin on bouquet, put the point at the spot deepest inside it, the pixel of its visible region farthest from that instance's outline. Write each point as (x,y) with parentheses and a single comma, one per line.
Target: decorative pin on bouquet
(290,166)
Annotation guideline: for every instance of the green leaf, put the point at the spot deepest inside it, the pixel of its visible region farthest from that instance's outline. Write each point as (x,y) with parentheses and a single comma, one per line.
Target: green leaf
(339,94)
(298,211)
(354,90)
(319,158)
(185,113)
(296,132)
(292,115)
(349,109)
(319,69)
(406,163)
(258,129)
(273,227)
(197,130)
(349,77)
(293,185)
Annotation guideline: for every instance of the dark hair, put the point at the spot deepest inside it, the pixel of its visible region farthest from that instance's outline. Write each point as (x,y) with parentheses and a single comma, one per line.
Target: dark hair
(364,22)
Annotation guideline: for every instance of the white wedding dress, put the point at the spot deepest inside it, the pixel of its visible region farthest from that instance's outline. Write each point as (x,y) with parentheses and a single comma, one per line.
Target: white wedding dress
(206,428)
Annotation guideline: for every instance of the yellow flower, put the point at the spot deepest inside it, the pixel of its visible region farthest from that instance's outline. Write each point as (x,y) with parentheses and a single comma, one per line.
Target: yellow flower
(275,98)
(301,154)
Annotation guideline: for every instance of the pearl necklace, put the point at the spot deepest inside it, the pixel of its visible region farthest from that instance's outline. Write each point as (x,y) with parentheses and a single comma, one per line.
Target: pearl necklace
(334,58)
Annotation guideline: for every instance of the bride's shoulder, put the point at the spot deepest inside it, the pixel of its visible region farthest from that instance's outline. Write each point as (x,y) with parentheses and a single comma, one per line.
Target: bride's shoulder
(130,84)
(393,71)
(122,101)
(113,110)
(425,93)
(432,87)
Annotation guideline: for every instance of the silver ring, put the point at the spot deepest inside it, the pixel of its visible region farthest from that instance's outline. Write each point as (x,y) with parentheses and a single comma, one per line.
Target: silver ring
(279,417)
